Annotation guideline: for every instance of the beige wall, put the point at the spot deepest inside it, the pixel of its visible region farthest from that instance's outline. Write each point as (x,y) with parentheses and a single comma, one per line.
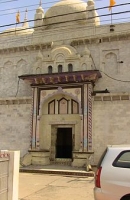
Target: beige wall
(47,121)
(111,124)
(15,123)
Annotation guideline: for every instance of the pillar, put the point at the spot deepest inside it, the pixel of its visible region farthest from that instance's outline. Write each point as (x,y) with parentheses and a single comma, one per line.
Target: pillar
(87,118)
(34,118)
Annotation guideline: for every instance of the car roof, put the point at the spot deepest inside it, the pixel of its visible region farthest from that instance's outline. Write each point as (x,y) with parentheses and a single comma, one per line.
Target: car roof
(119,146)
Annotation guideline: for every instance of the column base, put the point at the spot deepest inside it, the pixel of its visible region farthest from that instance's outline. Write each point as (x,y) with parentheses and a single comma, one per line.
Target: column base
(39,157)
(81,159)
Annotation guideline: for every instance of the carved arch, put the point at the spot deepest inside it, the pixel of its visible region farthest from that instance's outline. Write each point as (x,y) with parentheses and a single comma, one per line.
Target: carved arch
(84,66)
(60,91)
(66,50)
(21,62)
(8,63)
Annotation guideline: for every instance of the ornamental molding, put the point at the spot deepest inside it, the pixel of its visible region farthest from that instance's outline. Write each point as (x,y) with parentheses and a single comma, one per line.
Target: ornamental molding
(15,101)
(25,48)
(101,39)
(112,97)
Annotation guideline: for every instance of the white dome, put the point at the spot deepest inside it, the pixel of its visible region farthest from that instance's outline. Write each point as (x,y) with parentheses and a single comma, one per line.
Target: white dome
(17,31)
(66,10)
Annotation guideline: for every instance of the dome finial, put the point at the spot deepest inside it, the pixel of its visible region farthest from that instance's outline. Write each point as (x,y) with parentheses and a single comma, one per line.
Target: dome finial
(25,18)
(40,3)
(25,24)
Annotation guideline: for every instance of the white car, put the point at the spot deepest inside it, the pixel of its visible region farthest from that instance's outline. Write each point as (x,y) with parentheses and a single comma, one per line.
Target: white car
(112,179)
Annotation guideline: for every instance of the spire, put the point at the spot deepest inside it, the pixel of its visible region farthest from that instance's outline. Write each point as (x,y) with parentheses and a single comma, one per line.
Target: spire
(40,3)
(40,9)
(25,19)
(25,24)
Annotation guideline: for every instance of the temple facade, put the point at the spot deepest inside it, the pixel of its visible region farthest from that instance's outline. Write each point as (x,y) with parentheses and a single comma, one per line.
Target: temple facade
(64,92)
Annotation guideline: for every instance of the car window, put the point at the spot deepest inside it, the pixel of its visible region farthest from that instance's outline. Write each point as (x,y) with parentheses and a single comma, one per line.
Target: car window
(122,160)
(102,157)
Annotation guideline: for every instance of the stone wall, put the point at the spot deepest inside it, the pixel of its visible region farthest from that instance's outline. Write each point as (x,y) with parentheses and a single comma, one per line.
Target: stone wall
(15,120)
(111,121)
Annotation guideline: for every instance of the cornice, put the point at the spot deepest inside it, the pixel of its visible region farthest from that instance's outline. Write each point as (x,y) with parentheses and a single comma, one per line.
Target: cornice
(87,40)
(101,39)
(25,48)
(15,100)
(112,97)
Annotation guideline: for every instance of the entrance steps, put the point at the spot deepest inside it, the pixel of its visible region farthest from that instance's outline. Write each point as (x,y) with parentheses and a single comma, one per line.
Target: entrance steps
(62,161)
(57,169)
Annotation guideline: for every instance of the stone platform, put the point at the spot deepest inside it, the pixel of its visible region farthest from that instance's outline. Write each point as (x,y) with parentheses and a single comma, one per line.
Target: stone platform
(57,169)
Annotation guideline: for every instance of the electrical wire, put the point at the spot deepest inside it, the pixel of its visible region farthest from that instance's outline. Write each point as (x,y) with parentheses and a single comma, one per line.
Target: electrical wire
(7,1)
(39,34)
(58,6)
(65,15)
(91,56)
(115,79)
(53,34)
(105,7)
(11,31)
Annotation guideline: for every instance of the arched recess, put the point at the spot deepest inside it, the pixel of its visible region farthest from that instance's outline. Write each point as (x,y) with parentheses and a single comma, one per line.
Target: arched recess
(63,106)
(111,64)
(84,66)
(38,70)
(61,54)
(21,67)
(59,93)
(50,69)
(24,88)
(70,67)
(65,50)
(8,71)
(9,79)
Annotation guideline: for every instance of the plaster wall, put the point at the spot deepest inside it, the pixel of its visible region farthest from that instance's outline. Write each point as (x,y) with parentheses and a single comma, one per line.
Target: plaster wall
(15,127)
(46,123)
(111,121)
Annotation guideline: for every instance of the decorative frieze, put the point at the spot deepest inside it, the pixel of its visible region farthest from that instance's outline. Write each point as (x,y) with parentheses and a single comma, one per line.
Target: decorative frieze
(25,48)
(11,101)
(111,97)
(101,39)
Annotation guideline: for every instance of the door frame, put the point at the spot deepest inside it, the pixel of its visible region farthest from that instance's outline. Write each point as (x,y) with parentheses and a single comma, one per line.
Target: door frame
(54,129)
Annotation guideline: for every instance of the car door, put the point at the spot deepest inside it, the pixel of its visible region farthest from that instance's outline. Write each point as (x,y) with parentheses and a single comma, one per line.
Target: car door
(115,177)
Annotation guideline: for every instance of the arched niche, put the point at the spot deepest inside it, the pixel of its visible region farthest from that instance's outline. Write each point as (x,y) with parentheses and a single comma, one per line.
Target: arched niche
(65,50)
(53,100)
(9,78)
(21,67)
(111,64)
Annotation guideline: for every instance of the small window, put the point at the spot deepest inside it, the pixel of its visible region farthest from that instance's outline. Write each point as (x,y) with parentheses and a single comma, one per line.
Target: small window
(50,70)
(122,160)
(70,67)
(59,68)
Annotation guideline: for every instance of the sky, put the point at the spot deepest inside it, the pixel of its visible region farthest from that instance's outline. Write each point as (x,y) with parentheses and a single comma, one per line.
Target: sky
(9,8)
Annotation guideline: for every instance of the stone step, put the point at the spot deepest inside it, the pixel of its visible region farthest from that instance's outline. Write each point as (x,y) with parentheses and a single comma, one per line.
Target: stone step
(57,169)
(59,172)
(62,161)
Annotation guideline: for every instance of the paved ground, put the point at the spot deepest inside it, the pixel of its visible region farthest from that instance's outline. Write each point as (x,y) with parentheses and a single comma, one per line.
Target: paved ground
(55,187)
